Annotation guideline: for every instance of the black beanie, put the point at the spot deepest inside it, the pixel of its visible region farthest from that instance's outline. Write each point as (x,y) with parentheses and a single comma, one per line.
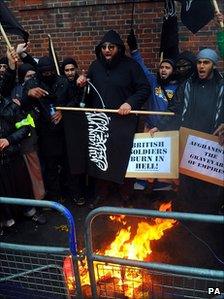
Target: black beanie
(4,60)
(188,56)
(23,69)
(68,60)
(45,64)
(170,61)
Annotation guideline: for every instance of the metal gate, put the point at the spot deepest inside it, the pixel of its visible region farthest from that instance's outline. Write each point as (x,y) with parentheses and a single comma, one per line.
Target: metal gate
(159,281)
(53,272)
(40,271)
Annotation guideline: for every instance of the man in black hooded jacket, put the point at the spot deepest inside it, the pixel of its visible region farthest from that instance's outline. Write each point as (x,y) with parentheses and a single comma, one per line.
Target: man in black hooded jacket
(69,69)
(40,93)
(14,177)
(119,80)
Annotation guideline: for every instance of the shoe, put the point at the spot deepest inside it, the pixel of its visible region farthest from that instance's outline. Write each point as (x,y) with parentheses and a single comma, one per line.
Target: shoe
(39,218)
(30,212)
(162,186)
(10,222)
(140,185)
(80,201)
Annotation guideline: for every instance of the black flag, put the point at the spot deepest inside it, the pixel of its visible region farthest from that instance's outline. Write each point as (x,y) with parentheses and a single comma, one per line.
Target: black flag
(9,22)
(99,144)
(169,44)
(195,14)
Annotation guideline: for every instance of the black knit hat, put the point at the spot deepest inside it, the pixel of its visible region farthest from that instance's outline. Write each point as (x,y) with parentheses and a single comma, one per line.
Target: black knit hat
(167,60)
(23,69)
(68,60)
(45,64)
(4,60)
(188,56)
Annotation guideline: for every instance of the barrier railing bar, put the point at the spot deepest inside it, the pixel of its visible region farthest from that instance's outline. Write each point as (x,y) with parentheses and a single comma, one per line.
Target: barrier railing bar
(71,225)
(143,213)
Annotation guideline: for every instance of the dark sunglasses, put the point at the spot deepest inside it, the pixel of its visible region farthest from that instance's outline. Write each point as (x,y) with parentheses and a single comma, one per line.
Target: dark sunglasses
(109,46)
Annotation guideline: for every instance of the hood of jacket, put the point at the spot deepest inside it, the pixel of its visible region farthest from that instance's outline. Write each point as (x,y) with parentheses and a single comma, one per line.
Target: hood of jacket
(111,37)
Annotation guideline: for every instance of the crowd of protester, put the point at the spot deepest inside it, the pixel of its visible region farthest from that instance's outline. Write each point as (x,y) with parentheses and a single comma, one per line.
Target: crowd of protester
(33,157)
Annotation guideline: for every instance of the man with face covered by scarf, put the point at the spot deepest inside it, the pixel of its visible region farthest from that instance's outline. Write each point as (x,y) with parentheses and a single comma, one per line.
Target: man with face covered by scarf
(185,66)
(42,92)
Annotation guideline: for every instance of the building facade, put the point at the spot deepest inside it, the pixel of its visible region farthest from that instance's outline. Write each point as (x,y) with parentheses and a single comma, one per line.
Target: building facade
(77,26)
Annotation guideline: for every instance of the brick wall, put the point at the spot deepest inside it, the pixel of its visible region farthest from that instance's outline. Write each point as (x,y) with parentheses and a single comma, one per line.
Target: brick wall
(77,26)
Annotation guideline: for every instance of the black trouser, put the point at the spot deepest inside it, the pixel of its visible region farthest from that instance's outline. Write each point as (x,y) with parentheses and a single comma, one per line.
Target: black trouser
(14,182)
(59,181)
(52,169)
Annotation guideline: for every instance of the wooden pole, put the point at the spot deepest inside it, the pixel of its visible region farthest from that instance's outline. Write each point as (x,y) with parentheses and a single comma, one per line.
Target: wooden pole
(5,36)
(7,42)
(54,56)
(114,111)
(217,10)
(161,57)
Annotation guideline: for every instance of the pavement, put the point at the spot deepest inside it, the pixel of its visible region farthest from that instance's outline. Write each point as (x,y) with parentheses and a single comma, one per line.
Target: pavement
(187,243)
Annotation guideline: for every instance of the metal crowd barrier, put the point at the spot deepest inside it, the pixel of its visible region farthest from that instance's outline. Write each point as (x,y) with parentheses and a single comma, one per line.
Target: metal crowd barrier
(40,271)
(160,281)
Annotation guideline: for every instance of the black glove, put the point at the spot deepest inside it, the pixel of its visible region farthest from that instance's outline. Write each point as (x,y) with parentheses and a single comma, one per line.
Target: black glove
(132,41)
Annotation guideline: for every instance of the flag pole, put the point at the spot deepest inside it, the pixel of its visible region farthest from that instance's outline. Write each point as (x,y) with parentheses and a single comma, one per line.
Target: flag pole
(114,111)
(132,13)
(54,56)
(7,41)
(5,36)
(217,10)
(161,57)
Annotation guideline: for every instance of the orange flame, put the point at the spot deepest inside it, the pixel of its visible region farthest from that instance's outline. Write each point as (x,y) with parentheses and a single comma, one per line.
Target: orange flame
(118,218)
(137,247)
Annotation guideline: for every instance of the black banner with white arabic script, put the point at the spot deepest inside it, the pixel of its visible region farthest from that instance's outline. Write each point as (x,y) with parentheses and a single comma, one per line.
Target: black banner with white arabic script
(99,144)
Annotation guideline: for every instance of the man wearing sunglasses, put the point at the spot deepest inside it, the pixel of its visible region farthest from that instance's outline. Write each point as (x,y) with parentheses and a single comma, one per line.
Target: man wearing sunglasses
(118,78)
(120,82)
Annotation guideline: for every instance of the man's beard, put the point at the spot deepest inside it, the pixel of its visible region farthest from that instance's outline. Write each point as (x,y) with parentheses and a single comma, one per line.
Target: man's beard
(164,81)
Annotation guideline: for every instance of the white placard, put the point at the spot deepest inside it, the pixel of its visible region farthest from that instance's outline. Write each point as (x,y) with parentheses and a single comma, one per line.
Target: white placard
(150,155)
(204,157)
